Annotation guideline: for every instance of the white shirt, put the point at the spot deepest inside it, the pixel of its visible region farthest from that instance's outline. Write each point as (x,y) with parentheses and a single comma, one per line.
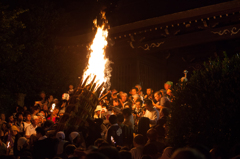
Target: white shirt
(30,130)
(43,137)
(20,126)
(26,125)
(153,116)
(137,152)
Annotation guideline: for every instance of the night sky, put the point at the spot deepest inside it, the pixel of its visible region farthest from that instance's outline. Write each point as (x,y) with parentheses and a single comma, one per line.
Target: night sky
(119,12)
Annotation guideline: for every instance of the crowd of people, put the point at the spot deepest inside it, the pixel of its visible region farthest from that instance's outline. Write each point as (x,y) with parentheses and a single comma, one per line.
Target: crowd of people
(125,126)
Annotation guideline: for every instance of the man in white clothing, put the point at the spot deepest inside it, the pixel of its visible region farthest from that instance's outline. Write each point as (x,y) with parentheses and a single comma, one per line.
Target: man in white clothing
(31,129)
(28,121)
(151,113)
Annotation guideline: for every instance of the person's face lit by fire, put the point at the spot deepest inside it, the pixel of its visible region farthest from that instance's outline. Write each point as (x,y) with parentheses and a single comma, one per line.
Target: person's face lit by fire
(40,119)
(169,92)
(121,93)
(50,98)
(135,98)
(70,87)
(35,121)
(4,126)
(149,91)
(157,97)
(43,95)
(3,117)
(56,101)
(55,112)
(20,117)
(14,132)
(134,91)
(25,108)
(115,103)
(167,86)
(138,105)
(29,117)
(11,119)
(45,107)
(124,97)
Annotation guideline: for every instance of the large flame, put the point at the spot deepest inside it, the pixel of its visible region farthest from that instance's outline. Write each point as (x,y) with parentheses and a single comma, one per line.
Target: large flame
(97,62)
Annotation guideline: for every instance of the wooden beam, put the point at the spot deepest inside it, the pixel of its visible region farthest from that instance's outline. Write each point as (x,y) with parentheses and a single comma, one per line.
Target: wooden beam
(193,14)
(178,41)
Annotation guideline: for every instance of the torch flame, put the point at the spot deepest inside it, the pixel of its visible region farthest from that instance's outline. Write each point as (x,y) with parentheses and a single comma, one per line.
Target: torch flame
(112,139)
(97,62)
(53,107)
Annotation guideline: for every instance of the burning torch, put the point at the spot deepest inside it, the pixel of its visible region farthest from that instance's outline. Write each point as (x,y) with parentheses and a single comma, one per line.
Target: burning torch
(113,141)
(53,107)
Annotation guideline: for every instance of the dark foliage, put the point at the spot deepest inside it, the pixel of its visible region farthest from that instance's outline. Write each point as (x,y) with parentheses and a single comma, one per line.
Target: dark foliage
(29,60)
(11,49)
(206,109)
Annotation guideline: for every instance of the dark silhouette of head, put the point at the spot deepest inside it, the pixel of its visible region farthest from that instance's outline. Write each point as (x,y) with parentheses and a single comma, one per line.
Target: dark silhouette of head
(110,152)
(113,119)
(139,139)
(125,154)
(187,153)
(152,134)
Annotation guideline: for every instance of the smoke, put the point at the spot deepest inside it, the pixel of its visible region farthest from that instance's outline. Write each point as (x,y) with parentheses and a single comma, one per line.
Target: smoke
(107,72)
